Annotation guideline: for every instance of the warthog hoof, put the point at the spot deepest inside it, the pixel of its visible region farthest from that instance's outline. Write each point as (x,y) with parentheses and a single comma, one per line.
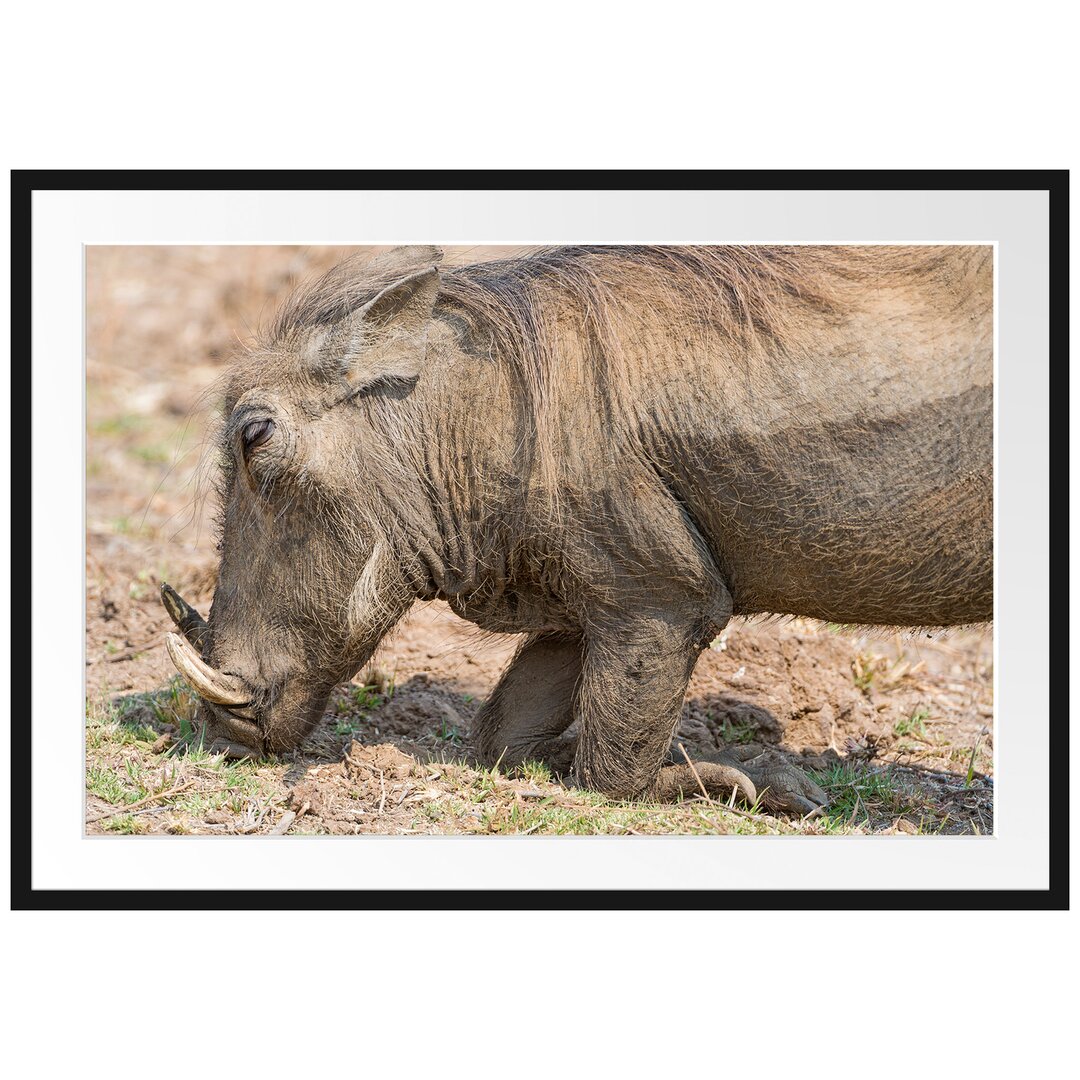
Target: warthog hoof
(780,787)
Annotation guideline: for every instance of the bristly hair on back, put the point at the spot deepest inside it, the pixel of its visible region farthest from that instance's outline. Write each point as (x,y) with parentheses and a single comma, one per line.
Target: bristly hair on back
(513,306)
(744,292)
(755,298)
(737,286)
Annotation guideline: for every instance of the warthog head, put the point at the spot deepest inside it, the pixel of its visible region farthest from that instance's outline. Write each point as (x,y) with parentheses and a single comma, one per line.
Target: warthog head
(316,478)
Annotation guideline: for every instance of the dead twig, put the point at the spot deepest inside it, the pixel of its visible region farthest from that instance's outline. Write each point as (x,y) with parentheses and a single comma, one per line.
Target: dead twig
(142,802)
(920,771)
(697,777)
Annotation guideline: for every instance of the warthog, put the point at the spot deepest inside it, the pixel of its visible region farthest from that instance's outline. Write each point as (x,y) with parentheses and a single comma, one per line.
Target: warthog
(610,450)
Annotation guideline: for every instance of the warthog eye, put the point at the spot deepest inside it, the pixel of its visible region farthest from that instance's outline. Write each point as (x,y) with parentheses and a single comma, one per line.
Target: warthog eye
(256,433)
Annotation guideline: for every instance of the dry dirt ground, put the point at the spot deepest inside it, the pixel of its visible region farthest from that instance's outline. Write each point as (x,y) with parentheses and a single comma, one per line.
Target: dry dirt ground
(898,730)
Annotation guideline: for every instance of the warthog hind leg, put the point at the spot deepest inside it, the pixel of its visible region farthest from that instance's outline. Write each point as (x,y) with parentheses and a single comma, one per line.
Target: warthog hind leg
(532,706)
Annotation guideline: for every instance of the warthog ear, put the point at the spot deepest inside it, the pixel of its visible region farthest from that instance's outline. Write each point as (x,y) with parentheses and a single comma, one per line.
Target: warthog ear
(386,339)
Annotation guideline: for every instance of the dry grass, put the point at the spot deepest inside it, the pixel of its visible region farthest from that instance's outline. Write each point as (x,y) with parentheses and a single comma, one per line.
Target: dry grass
(147,773)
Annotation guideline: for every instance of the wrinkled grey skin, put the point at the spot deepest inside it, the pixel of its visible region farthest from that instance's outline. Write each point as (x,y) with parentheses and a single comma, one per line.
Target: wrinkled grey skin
(848,480)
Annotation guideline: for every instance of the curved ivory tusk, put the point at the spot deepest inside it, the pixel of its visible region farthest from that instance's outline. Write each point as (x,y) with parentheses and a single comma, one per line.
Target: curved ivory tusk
(188,621)
(221,689)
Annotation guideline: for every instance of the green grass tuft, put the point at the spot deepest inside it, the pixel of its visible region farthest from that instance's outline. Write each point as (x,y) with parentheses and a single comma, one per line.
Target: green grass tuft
(126,824)
(914,725)
(107,785)
(449,733)
(536,772)
(869,796)
(731,732)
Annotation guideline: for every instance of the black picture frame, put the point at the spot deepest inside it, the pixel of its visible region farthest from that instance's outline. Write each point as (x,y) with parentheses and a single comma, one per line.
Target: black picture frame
(24,183)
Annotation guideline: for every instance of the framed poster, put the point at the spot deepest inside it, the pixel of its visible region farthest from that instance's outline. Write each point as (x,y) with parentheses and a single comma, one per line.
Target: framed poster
(822,396)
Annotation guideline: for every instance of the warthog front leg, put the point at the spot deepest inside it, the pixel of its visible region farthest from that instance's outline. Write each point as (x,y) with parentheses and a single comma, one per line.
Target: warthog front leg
(629,703)
(533,704)
(632,685)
